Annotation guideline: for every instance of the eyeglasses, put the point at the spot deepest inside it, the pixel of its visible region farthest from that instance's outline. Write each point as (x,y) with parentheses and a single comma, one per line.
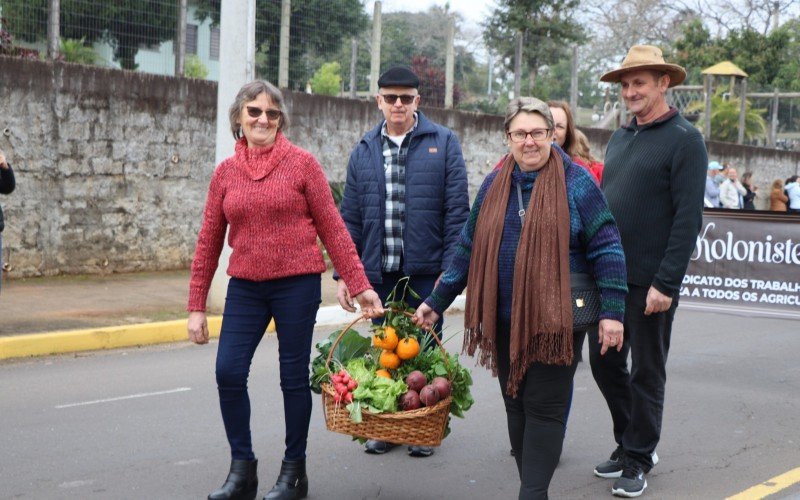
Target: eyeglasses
(537,134)
(256,112)
(404,98)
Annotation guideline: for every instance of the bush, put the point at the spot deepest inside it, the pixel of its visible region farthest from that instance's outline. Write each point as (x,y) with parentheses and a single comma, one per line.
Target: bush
(76,51)
(328,79)
(193,67)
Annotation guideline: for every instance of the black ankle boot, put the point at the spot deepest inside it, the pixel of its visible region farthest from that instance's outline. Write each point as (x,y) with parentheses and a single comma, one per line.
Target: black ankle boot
(292,482)
(241,484)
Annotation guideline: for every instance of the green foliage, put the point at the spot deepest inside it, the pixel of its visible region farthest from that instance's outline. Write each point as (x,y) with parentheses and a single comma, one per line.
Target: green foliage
(193,67)
(318,28)
(546,27)
(76,51)
(432,83)
(328,79)
(125,24)
(725,118)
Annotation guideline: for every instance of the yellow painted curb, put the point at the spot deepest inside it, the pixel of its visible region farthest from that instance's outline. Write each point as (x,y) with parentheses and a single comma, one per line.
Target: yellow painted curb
(42,344)
(770,486)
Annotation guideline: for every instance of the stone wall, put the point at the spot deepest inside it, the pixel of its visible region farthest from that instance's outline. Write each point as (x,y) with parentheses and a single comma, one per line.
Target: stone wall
(113,166)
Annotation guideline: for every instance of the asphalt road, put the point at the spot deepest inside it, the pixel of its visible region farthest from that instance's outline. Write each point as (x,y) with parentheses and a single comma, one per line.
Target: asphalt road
(144,423)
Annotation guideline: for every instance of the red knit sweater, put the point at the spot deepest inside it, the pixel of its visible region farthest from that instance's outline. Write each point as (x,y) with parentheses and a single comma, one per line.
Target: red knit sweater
(276,201)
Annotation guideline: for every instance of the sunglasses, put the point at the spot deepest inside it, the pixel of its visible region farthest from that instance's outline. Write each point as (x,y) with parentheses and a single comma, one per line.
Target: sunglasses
(255,112)
(392,98)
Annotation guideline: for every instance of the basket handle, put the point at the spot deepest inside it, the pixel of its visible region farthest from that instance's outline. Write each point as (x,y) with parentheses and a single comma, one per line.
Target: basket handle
(405,313)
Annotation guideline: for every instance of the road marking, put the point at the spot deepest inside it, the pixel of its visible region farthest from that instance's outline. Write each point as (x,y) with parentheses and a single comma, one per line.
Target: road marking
(770,486)
(120,398)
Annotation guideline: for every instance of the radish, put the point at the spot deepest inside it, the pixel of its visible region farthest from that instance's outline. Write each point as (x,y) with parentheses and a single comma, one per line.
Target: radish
(352,384)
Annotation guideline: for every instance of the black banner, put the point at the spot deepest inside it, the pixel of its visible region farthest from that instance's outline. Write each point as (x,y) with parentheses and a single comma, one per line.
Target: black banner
(748,261)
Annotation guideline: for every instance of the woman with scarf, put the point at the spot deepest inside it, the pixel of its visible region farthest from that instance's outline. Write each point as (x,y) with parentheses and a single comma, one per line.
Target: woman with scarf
(535,220)
(274,200)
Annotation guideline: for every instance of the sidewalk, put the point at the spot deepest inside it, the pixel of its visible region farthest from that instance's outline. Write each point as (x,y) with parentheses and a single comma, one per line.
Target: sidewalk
(72,313)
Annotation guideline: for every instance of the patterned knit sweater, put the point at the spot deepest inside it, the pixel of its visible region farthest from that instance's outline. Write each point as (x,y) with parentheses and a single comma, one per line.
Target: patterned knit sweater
(594,243)
(276,201)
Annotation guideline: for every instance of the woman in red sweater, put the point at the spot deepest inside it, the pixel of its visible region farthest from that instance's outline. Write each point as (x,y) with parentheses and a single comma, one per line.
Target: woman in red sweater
(274,200)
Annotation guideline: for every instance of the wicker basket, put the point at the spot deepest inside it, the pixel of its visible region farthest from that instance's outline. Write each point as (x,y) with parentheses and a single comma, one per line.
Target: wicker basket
(422,427)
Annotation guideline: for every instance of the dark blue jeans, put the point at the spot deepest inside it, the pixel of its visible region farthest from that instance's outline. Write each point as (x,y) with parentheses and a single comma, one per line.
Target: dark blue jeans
(636,398)
(249,307)
(537,416)
(422,284)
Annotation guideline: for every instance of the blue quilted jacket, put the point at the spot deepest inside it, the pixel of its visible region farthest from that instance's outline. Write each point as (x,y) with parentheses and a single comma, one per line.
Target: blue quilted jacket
(437,200)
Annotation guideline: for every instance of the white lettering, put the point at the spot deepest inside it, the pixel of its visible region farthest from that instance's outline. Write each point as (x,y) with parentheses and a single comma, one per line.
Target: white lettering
(740,250)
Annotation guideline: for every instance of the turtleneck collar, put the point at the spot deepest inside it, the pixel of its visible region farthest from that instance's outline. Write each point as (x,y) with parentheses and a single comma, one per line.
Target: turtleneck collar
(258,162)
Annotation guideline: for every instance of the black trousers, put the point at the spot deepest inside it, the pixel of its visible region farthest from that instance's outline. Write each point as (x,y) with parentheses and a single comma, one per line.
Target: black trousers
(537,416)
(636,398)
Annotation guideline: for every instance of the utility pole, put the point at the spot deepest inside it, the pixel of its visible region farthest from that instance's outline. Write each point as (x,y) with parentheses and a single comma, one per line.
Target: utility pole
(283,50)
(518,66)
(450,63)
(353,57)
(573,84)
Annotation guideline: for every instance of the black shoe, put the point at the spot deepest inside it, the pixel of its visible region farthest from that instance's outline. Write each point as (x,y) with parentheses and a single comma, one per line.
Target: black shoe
(632,482)
(420,451)
(292,482)
(375,447)
(612,467)
(241,483)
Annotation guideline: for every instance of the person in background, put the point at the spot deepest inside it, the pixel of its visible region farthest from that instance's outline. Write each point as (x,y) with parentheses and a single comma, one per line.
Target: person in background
(711,197)
(405,201)
(653,179)
(565,135)
(748,200)
(275,200)
(583,156)
(7,185)
(534,221)
(778,198)
(731,192)
(793,192)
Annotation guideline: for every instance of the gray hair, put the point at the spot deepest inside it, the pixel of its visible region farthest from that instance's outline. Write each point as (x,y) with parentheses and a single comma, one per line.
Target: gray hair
(249,92)
(528,105)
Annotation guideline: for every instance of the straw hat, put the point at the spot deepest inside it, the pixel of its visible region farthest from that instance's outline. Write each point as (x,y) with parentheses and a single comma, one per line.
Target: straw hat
(646,57)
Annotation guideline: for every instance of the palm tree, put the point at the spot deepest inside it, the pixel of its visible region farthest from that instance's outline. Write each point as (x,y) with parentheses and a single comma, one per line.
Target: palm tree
(725,118)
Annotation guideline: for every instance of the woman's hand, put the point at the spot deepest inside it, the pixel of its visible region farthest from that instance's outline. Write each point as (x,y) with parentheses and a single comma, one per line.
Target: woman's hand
(343,296)
(3,162)
(370,303)
(198,327)
(610,335)
(425,317)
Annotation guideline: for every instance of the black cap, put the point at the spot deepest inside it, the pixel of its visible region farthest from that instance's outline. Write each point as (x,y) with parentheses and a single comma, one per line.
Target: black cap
(398,76)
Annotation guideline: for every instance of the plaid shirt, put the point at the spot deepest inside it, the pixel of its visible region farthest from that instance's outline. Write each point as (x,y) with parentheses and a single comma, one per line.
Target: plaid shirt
(394,167)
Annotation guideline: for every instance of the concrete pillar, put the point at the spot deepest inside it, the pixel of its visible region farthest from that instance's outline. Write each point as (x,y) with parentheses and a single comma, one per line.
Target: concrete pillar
(742,112)
(707,91)
(236,67)
(573,84)
(518,66)
(353,58)
(283,51)
(180,39)
(53,30)
(773,129)
(449,73)
(375,62)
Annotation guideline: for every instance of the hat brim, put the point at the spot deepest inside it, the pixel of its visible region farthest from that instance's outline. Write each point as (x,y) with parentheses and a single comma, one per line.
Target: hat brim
(676,73)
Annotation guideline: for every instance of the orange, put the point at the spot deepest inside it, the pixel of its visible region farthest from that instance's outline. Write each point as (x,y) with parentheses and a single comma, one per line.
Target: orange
(407,348)
(389,360)
(383,373)
(386,339)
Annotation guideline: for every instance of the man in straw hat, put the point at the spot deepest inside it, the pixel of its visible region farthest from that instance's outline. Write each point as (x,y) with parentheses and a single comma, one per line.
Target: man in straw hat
(654,181)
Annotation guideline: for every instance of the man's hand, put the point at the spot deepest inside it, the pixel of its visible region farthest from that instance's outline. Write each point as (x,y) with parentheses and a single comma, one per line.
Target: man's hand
(425,317)
(198,327)
(370,303)
(344,298)
(610,335)
(656,302)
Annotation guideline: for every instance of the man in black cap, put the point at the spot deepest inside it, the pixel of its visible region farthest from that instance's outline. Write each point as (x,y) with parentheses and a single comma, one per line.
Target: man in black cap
(405,200)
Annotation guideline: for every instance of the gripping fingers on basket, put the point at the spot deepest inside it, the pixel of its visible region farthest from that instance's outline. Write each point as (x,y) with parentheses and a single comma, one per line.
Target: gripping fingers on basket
(370,303)
(425,317)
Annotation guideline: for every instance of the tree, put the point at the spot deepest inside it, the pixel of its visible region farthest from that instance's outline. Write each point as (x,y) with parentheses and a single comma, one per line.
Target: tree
(545,25)
(318,28)
(725,118)
(432,83)
(124,24)
(328,79)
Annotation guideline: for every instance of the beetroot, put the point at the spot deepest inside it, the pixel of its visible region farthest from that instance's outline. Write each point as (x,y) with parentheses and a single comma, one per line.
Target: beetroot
(410,401)
(416,380)
(442,386)
(429,395)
